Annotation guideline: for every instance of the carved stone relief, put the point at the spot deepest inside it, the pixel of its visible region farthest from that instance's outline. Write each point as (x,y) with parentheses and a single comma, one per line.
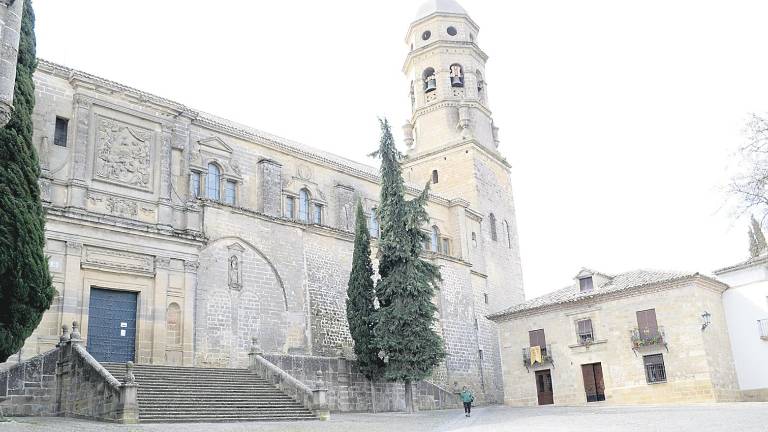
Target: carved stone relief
(123,154)
(121,207)
(110,259)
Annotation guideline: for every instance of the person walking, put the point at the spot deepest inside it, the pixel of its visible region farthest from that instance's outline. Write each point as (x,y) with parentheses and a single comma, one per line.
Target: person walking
(467,398)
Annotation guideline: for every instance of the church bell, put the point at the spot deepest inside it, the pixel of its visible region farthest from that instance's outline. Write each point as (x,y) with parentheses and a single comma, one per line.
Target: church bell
(431,85)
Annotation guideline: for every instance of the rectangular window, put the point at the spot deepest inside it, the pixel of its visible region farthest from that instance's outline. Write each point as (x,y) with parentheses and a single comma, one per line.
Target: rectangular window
(485,298)
(654,368)
(60,134)
(194,184)
(584,331)
(585,284)
(230,188)
(646,323)
(317,214)
(480,354)
(288,210)
(446,247)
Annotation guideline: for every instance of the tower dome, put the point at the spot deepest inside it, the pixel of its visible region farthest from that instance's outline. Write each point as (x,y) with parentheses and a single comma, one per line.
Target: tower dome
(430,7)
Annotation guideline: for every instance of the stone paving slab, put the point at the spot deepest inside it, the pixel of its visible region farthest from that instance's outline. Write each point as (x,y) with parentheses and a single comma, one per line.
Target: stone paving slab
(737,417)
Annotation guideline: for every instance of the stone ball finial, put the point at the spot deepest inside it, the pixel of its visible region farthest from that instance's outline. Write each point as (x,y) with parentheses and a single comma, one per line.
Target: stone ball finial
(129,377)
(75,331)
(64,334)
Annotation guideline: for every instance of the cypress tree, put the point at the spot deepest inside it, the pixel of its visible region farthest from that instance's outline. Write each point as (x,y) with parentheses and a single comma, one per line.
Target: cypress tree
(360,302)
(757,232)
(25,284)
(406,316)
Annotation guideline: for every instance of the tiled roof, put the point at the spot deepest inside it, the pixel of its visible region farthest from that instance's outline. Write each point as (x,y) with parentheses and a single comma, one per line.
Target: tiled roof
(615,283)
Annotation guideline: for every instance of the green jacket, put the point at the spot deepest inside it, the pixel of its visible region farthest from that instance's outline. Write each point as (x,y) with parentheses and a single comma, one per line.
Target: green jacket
(466,396)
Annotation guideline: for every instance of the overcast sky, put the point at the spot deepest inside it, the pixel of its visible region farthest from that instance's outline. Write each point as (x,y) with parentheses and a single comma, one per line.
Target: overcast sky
(620,118)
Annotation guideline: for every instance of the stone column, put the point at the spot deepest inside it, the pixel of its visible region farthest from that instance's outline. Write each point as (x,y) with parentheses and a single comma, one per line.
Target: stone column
(11,12)
(190,306)
(82,115)
(269,195)
(162,267)
(165,210)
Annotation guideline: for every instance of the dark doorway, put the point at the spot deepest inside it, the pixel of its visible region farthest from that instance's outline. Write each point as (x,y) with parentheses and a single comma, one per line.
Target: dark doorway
(112,325)
(544,387)
(594,385)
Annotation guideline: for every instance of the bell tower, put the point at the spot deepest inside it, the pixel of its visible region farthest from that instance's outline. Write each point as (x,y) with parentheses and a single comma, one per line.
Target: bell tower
(452,142)
(446,68)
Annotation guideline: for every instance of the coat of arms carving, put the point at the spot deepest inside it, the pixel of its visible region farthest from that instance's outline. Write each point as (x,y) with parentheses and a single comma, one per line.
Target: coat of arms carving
(123,154)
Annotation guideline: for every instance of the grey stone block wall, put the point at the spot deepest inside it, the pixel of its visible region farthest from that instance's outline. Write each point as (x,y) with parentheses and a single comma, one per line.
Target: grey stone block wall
(350,391)
(29,388)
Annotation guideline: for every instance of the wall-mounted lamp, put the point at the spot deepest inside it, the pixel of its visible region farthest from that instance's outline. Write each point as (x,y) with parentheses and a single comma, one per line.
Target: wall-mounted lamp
(705,320)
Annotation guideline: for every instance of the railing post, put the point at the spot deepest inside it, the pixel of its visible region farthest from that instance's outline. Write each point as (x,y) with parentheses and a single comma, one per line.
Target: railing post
(319,403)
(254,353)
(128,411)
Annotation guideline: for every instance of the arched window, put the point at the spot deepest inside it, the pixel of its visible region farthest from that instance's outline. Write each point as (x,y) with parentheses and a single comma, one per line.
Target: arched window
(435,178)
(212,181)
(373,223)
(173,324)
(509,234)
(434,244)
(430,81)
(304,205)
(492,223)
(457,75)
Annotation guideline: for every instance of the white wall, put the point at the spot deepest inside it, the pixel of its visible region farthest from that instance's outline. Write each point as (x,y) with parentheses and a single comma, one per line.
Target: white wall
(745,303)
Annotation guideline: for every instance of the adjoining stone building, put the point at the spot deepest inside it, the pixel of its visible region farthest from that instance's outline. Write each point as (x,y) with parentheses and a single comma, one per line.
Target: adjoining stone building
(176,236)
(636,337)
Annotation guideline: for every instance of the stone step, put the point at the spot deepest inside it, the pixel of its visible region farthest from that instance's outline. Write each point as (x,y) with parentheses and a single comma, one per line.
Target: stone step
(206,419)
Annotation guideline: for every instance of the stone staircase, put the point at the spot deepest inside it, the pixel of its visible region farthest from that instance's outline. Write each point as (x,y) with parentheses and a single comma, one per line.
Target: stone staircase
(192,394)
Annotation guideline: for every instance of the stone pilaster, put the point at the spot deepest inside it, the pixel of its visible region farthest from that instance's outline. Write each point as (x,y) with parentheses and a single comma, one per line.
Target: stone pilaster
(190,288)
(71,295)
(82,115)
(165,208)
(269,194)
(11,13)
(345,207)
(162,269)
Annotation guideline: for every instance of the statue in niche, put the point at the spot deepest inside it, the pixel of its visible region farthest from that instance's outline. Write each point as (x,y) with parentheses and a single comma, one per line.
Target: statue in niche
(234,272)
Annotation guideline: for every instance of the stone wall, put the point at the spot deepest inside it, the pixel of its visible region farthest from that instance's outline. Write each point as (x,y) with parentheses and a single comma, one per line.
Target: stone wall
(29,388)
(349,390)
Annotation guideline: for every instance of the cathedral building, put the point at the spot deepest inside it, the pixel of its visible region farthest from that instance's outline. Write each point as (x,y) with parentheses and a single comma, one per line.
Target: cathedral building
(176,236)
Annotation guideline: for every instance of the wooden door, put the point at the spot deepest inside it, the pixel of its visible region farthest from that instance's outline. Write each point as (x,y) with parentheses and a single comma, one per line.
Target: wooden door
(544,387)
(594,385)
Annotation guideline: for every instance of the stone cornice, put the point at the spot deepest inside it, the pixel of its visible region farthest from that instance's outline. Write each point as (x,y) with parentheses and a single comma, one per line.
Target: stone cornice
(424,19)
(701,281)
(412,159)
(752,262)
(450,102)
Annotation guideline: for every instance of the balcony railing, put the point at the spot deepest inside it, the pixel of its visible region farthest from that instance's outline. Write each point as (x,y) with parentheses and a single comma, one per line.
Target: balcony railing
(546,356)
(763,325)
(648,337)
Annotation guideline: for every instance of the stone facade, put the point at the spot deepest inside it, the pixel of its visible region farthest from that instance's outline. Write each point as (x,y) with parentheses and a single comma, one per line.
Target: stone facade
(225,232)
(697,361)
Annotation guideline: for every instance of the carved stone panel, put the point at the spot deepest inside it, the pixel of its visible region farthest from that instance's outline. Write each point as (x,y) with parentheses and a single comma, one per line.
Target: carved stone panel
(123,154)
(110,259)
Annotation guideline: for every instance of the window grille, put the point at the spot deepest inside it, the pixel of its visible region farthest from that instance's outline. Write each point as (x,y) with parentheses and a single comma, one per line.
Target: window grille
(654,368)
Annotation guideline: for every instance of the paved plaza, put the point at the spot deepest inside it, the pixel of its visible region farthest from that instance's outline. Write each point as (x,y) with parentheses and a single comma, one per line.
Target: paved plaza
(741,417)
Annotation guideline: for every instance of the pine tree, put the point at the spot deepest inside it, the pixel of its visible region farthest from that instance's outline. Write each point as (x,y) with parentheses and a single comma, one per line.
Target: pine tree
(753,248)
(25,283)
(406,316)
(360,302)
(757,232)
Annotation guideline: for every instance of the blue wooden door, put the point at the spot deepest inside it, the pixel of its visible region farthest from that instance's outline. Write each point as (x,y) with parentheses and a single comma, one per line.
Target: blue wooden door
(112,325)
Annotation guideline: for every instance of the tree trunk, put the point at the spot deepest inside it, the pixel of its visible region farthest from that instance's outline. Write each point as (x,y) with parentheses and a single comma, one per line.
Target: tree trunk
(373,398)
(409,397)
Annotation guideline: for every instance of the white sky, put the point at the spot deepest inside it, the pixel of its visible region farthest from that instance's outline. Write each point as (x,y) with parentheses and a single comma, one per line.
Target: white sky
(620,118)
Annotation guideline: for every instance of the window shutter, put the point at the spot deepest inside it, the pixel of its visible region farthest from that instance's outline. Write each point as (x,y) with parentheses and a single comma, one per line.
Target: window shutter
(537,338)
(646,323)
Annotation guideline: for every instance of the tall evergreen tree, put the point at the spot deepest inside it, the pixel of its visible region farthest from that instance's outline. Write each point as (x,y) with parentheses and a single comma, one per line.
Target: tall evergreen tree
(406,316)
(360,302)
(757,232)
(25,283)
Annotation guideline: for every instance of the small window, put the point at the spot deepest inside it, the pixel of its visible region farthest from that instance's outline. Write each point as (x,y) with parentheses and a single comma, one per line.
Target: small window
(317,214)
(584,331)
(60,134)
(194,184)
(451,31)
(289,205)
(654,368)
(446,247)
(474,239)
(585,284)
(304,205)
(480,354)
(426,35)
(373,224)
(485,298)
(230,188)
(435,178)
(492,223)
(212,182)
(477,325)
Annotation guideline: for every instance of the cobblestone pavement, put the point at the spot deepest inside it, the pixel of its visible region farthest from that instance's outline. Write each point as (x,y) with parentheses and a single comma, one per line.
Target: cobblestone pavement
(740,417)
